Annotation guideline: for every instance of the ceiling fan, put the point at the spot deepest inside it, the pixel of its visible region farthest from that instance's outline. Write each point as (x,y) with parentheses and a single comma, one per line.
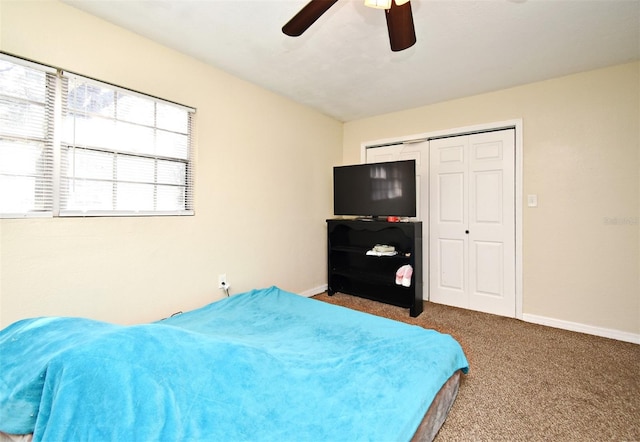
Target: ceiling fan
(402,34)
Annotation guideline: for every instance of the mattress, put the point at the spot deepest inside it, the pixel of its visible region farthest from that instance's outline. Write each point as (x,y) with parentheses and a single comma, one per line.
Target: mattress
(438,410)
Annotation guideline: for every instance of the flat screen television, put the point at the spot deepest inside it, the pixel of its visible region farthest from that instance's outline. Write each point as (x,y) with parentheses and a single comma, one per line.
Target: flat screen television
(375,189)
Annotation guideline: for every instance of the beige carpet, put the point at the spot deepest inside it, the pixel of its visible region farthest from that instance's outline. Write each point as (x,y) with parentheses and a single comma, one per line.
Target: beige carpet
(528,382)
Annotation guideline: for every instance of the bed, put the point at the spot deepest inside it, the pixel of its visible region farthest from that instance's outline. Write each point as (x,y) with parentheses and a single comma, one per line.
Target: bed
(265,365)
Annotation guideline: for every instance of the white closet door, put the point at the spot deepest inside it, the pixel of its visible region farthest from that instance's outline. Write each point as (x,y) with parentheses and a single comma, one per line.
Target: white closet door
(448,221)
(472,222)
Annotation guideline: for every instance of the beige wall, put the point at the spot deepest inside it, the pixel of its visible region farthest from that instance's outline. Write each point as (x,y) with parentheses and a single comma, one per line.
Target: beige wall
(581,142)
(263,188)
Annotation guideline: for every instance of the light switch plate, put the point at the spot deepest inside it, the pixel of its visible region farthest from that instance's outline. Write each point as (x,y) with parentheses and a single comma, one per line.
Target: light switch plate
(532,200)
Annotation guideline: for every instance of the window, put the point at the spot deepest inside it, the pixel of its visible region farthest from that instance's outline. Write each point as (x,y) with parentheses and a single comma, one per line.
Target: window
(26,147)
(95,150)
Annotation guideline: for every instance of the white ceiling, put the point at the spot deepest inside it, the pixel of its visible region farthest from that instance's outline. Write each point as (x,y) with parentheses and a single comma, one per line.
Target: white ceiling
(343,65)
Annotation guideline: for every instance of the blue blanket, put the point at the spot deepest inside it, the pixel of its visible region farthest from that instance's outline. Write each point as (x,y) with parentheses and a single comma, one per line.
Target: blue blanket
(265,365)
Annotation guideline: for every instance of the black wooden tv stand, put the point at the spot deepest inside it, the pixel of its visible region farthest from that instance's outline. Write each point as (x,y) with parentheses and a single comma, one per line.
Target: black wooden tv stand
(352,271)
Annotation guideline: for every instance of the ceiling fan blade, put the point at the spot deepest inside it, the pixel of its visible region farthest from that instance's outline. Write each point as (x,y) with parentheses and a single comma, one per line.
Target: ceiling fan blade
(306,17)
(402,33)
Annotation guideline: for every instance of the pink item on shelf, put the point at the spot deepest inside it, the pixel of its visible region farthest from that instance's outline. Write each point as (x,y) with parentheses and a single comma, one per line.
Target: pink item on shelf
(400,275)
(403,275)
(406,277)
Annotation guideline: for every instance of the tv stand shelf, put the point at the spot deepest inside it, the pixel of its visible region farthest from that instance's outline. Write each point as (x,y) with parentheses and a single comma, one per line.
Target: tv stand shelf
(352,271)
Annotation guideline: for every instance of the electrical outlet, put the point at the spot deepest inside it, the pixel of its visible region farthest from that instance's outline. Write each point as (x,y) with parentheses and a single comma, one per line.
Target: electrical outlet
(222,281)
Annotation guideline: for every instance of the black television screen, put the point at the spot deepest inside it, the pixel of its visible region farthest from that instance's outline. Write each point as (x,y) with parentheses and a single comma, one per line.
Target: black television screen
(375,189)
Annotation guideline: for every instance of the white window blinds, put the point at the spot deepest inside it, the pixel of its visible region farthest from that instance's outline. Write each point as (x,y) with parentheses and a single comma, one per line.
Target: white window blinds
(27,94)
(123,152)
(74,146)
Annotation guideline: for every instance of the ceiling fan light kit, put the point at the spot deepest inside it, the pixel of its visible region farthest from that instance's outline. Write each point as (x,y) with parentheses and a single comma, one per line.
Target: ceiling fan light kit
(402,34)
(383,4)
(379,4)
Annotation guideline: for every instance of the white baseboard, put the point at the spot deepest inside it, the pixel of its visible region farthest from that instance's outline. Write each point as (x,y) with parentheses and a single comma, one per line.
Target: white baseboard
(314,291)
(582,328)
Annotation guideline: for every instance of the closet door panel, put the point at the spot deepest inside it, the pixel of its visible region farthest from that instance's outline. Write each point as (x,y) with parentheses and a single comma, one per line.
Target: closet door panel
(473,202)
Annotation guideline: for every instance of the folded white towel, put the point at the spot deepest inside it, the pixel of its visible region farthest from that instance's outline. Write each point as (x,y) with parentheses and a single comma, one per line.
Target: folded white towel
(374,253)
